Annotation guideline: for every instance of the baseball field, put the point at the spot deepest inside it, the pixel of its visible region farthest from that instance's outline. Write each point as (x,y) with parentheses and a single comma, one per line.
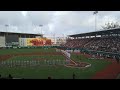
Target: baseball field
(41,63)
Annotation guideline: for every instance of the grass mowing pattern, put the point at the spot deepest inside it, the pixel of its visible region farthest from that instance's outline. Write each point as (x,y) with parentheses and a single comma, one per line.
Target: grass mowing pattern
(96,64)
(56,72)
(32,72)
(20,51)
(47,57)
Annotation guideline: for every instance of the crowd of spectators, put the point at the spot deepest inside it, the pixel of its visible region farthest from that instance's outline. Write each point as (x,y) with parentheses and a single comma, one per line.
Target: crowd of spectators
(108,44)
(75,43)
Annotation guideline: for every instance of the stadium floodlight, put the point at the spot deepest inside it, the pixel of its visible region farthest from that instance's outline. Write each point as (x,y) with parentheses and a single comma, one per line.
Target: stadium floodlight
(6,25)
(95,13)
(41,28)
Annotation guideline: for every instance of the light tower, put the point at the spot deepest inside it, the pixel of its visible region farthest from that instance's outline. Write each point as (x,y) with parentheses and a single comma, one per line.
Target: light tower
(41,28)
(95,13)
(6,25)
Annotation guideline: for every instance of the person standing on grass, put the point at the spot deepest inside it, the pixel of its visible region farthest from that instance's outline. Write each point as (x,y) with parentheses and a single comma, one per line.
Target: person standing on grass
(10,77)
(117,58)
(73,76)
(49,78)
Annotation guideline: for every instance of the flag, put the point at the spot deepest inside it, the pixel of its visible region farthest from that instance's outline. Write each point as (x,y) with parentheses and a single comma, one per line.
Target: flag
(95,12)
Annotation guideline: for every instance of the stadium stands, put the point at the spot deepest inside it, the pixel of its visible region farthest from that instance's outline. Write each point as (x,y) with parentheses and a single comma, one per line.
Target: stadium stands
(76,43)
(108,44)
(109,41)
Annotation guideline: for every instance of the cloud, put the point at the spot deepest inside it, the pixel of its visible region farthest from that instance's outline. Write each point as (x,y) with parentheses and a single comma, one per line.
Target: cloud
(58,22)
(14,18)
(41,17)
(67,22)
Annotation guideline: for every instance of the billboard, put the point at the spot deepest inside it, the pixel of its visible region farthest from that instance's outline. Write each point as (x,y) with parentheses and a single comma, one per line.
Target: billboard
(38,41)
(34,42)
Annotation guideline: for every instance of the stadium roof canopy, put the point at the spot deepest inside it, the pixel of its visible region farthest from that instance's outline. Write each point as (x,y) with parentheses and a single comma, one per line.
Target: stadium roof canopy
(103,32)
(21,33)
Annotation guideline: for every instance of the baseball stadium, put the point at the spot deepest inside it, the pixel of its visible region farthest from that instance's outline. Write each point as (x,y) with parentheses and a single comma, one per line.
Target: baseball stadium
(91,55)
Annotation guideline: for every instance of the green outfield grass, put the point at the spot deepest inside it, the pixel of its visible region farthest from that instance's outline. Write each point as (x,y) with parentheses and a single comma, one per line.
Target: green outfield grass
(44,71)
(23,50)
(42,57)
(96,64)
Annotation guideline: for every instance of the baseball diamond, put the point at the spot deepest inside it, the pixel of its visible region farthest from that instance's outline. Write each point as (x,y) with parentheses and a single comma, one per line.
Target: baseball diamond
(59,45)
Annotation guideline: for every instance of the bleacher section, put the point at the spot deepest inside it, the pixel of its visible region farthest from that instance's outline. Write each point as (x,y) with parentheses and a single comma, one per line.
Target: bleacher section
(108,44)
(108,41)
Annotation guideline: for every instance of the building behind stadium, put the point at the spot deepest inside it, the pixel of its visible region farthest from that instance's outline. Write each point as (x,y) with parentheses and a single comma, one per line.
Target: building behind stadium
(10,39)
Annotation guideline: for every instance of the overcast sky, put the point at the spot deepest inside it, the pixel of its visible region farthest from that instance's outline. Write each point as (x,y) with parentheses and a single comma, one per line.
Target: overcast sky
(58,22)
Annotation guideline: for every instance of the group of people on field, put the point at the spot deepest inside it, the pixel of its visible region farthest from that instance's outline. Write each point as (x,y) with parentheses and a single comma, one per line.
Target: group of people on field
(9,77)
